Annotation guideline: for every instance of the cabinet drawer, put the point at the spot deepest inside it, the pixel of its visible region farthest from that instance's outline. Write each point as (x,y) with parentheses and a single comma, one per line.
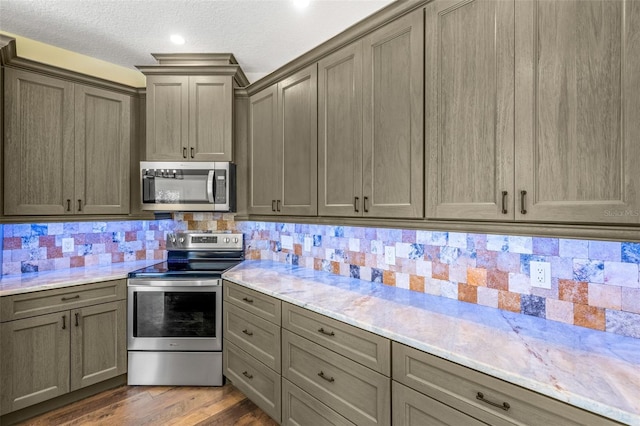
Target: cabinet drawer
(411,408)
(299,408)
(256,336)
(258,382)
(48,301)
(475,393)
(368,349)
(354,391)
(264,306)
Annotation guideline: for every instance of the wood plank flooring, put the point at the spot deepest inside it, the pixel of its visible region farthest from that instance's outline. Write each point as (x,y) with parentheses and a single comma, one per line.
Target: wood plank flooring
(159,405)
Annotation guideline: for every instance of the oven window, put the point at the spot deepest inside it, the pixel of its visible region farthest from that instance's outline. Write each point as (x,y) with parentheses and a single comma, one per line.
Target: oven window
(174,314)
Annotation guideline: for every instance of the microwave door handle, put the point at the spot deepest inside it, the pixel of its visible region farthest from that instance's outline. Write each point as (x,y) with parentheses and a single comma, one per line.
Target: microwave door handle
(210,180)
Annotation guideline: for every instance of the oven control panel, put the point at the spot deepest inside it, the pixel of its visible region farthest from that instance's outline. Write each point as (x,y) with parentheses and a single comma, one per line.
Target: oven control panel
(204,241)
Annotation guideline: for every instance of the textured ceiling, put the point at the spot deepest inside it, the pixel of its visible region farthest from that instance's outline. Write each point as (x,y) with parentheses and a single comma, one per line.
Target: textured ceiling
(262,34)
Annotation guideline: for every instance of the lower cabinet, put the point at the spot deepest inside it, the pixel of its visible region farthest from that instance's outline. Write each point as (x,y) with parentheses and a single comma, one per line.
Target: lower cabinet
(45,356)
(301,409)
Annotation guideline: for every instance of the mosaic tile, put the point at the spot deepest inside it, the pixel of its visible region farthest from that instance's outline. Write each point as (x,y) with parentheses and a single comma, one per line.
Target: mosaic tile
(326,266)
(487,297)
(402,250)
(621,274)
(624,323)
(588,270)
(522,245)
(439,238)
(497,243)
(630,252)
(408,236)
(440,271)
(416,251)
(519,283)
(354,244)
(631,299)
(431,253)
(486,259)
(508,262)
(354,271)
(365,273)
(533,305)
(573,291)
(498,280)
(423,237)
(457,239)
(402,280)
(55,228)
(38,229)
(509,301)
(376,275)
(467,293)
(605,296)
(545,246)
(604,250)
(424,268)
(433,287)
(416,283)
(449,290)
(561,267)
(27,267)
(589,316)
(449,254)
(477,277)
(458,273)
(559,310)
(317,240)
(573,248)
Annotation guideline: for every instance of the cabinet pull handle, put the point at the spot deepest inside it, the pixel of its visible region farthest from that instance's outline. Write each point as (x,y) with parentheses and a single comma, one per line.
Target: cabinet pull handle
(356,204)
(327,333)
(247,375)
(193,152)
(64,322)
(184,152)
(246,299)
(247,332)
(504,406)
(77,323)
(273,205)
(277,205)
(79,205)
(523,203)
(366,207)
(68,204)
(328,379)
(504,202)
(64,299)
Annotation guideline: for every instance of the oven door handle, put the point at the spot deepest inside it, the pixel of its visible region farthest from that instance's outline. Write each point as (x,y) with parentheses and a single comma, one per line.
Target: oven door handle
(210,178)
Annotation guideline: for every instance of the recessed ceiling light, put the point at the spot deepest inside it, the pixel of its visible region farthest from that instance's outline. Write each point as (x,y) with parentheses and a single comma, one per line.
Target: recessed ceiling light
(177,39)
(301,4)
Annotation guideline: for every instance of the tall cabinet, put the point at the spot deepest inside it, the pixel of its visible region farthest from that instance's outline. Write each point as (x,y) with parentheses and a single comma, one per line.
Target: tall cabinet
(283,146)
(66,147)
(371,124)
(531,110)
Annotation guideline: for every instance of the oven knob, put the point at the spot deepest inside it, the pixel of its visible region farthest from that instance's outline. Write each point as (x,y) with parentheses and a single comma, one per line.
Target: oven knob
(172,238)
(226,240)
(235,240)
(181,240)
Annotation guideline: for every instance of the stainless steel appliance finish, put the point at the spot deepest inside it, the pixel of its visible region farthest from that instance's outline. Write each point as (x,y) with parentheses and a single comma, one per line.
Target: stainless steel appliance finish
(187,186)
(174,328)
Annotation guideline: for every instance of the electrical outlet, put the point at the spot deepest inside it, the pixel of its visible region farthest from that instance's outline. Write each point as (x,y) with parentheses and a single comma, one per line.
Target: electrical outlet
(287,242)
(307,244)
(67,245)
(389,255)
(540,274)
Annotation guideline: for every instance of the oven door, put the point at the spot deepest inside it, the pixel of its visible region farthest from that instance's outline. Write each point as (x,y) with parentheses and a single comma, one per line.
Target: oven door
(174,315)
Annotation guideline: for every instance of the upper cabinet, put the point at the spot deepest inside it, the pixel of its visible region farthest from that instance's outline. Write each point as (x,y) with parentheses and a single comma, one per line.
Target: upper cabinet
(283,142)
(66,148)
(371,149)
(190,107)
(531,110)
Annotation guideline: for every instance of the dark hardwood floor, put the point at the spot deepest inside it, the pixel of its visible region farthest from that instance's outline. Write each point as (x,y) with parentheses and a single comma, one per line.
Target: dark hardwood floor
(159,405)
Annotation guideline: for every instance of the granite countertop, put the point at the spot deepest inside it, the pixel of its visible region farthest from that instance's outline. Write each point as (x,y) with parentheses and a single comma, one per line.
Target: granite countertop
(46,280)
(593,370)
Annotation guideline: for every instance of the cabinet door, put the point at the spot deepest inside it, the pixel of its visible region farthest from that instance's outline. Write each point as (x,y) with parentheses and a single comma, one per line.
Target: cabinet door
(35,360)
(469,92)
(577,109)
(265,153)
(340,132)
(98,343)
(210,118)
(38,145)
(167,117)
(298,129)
(103,135)
(393,145)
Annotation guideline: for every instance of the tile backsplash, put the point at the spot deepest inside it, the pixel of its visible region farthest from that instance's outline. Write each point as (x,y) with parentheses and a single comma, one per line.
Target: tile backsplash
(594,284)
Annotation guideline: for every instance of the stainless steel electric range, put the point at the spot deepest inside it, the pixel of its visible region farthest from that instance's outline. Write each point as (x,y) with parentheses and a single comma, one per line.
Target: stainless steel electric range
(174,328)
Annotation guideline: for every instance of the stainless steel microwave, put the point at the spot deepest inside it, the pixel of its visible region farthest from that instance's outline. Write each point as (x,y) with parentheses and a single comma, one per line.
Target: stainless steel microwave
(188,186)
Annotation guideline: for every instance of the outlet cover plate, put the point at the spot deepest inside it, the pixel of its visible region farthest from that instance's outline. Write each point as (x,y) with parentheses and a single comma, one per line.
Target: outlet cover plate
(307,244)
(287,242)
(67,245)
(389,255)
(540,274)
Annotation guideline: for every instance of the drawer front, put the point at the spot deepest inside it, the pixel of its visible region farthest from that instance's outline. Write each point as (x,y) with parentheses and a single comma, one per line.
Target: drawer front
(258,382)
(256,336)
(301,409)
(259,304)
(368,349)
(482,396)
(47,301)
(354,391)
(411,408)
